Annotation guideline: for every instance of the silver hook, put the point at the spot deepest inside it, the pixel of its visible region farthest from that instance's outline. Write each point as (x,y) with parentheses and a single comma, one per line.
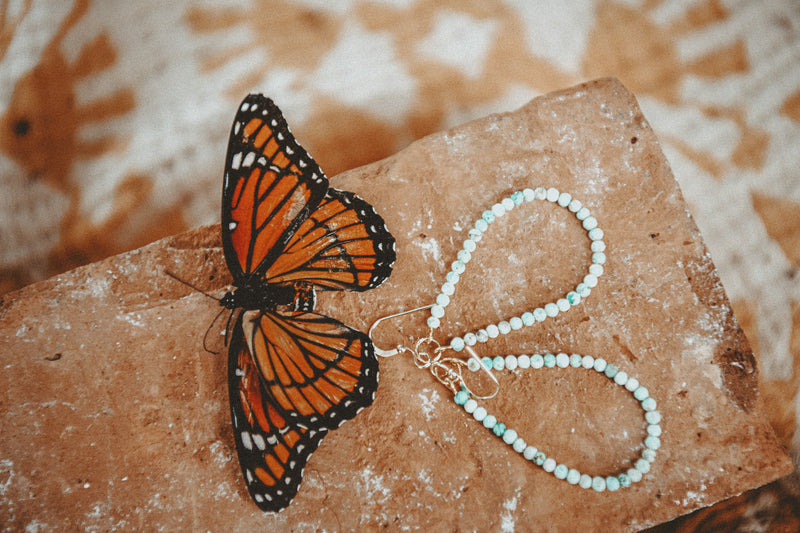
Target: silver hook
(400,348)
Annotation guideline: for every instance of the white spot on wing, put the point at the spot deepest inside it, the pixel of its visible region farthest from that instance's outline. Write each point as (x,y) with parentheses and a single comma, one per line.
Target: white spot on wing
(236,160)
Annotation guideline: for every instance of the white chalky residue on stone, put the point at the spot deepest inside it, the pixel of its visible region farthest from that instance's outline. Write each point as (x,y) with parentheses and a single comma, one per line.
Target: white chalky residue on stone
(507,522)
(428,404)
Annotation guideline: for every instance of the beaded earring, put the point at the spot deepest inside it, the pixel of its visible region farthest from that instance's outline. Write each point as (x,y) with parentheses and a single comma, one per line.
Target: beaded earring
(429,354)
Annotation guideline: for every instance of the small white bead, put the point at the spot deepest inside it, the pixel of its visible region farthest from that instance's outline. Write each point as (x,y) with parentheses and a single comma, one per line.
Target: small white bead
(475,235)
(539,314)
(482,335)
(589,223)
(528,318)
(596,234)
(452,277)
(564,199)
(470,339)
(552,194)
(642,466)
(470,406)
(493,331)
(504,327)
(481,225)
(511,362)
(473,364)
(585,482)
(596,270)
(529,194)
(582,213)
(458,267)
(469,245)
(510,436)
(457,344)
(649,404)
(621,378)
(654,430)
(635,475)
(508,204)
(575,360)
(524,361)
(599,258)
(574,205)
(433,322)
(600,364)
(537,361)
(541,193)
(598,246)
(632,384)
(563,304)
(589,279)
(573,476)
(562,360)
(599,483)
(519,445)
(448,288)
(464,256)
(437,311)
(442,300)
(498,210)
(479,414)
(653,417)
(549,464)
(551,309)
(649,455)
(587,362)
(529,452)
(515,322)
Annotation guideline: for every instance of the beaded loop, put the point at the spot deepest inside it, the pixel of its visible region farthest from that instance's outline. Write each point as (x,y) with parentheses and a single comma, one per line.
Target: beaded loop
(549,310)
(652,441)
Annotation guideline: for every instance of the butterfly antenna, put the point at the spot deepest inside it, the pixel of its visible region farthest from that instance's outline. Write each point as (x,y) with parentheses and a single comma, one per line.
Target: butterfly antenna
(201,291)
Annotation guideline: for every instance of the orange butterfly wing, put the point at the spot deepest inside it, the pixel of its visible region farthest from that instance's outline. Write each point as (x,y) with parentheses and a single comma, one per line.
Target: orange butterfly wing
(343,244)
(272,451)
(271,185)
(318,371)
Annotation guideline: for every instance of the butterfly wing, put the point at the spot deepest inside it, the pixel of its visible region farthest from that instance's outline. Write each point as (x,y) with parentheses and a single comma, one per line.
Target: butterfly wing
(318,371)
(343,244)
(271,185)
(272,451)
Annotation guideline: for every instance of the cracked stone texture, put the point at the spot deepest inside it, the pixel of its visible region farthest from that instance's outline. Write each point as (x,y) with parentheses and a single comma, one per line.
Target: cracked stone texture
(114,416)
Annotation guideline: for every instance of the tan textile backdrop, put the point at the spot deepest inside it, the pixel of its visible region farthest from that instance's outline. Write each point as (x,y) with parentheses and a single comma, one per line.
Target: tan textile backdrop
(114,119)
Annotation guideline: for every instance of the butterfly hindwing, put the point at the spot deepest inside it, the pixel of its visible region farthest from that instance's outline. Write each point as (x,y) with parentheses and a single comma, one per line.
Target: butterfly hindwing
(272,450)
(318,371)
(271,185)
(343,244)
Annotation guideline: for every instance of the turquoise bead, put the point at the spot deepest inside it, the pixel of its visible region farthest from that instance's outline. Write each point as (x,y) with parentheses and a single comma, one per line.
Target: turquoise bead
(539,458)
(573,298)
(499,363)
(481,225)
(549,360)
(611,371)
(461,397)
(488,216)
(612,483)
(499,429)
(517,197)
(487,362)
(624,480)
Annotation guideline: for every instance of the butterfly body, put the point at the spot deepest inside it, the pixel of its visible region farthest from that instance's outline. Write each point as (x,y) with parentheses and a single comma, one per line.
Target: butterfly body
(292,374)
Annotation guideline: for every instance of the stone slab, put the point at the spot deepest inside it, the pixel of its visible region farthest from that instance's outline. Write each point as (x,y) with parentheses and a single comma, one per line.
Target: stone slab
(114,416)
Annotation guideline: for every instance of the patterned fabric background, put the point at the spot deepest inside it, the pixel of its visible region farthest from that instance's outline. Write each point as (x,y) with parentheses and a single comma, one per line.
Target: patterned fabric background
(114,118)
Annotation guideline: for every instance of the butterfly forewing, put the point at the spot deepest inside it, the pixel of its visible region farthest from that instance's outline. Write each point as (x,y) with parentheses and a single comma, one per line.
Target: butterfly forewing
(272,450)
(271,185)
(319,371)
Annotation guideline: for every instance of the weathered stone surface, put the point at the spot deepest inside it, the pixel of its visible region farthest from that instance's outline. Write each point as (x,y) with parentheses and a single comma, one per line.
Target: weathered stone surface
(114,416)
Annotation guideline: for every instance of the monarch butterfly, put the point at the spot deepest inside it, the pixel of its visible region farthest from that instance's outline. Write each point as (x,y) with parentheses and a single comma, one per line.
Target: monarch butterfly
(292,374)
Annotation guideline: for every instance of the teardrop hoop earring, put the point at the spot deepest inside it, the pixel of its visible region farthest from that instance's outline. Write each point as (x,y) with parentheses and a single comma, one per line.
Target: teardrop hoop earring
(430,354)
